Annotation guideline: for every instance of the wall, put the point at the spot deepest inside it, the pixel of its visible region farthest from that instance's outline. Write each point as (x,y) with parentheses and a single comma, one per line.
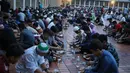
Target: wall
(100,3)
(55,3)
(115,0)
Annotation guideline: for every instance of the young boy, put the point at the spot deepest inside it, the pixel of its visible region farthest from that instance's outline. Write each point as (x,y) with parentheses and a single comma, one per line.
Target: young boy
(109,47)
(107,63)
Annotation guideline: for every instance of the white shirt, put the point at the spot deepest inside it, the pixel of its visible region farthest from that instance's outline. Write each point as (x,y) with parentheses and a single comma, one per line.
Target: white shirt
(92,29)
(48,19)
(123,19)
(21,16)
(109,16)
(50,25)
(52,17)
(30,61)
(83,34)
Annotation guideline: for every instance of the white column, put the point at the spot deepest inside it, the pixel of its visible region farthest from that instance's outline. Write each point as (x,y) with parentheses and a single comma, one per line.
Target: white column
(70,2)
(84,3)
(45,3)
(118,4)
(113,5)
(35,4)
(39,1)
(123,5)
(108,5)
(23,4)
(48,3)
(99,3)
(79,3)
(30,3)
(75,3)
(94,4)
(89,3)
(128,5)
(42,1)
(103,3)
(14,4)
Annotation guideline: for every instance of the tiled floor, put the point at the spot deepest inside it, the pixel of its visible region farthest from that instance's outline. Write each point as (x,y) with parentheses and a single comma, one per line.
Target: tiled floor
(67,67)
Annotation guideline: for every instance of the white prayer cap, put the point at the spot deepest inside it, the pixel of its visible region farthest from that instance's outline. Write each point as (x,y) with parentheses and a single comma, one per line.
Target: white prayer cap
(76,28)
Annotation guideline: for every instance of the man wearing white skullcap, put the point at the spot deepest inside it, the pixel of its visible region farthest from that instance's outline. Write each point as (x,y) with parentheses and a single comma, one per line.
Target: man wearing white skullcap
(81,35)
(33,60)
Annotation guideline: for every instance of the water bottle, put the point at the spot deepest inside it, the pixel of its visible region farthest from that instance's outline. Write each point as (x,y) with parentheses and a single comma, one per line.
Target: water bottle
(73,51)
(47,63)
(56,71)
(54,58)
(59,60)
(78,58)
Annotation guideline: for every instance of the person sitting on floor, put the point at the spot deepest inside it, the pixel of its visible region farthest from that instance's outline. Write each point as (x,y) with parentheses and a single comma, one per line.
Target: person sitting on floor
(81,35)
(112,31)
(40,22)
(26,37)
(21,16)
(38,28)
(109,47)
(29,26)
(13,53)
(7,37)
(107,63)
(90,25)
(108,26)
(125,37)
(51,38)
(33,60)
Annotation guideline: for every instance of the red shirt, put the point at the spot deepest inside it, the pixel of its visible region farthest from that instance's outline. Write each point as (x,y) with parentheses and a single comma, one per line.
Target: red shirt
(118,26)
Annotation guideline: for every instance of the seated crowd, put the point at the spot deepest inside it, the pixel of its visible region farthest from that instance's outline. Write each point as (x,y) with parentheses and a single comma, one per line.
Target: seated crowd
(32,37)
(119,25)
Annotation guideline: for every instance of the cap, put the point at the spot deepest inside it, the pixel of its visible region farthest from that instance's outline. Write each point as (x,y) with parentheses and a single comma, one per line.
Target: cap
(48,20)
(76,28)
(43,48)
(45,16)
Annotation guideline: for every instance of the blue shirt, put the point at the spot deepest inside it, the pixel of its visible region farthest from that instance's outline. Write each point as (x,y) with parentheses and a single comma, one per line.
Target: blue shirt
(27,37)
(113,51)
(40,6)
(29,14)
(41,23)
(107,64)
